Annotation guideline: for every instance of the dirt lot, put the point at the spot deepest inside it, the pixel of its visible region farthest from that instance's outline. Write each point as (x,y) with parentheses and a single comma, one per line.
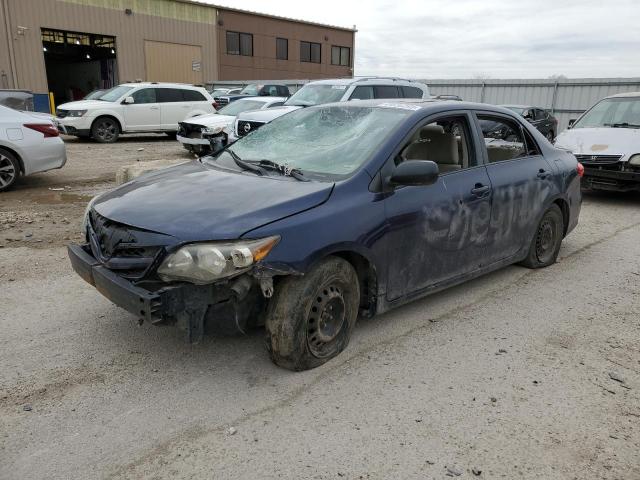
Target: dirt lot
(519,374)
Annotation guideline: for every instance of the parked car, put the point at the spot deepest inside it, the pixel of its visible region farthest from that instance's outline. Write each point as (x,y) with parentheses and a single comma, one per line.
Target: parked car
(325,214)
(253,90)
(606,139)
(133,108)
(336,90)
(546,123)
(197,133)
(29,143)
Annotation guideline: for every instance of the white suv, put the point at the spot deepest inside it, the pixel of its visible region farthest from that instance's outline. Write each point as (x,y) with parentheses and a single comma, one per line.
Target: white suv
(133,108)
(336,90)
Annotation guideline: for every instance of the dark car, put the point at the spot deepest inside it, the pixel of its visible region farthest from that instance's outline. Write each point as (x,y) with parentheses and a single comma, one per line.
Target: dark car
(546,123)
(253,90)
(328,213)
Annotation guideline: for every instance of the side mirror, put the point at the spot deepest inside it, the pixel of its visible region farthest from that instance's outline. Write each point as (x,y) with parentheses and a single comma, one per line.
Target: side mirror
(128,100)
(571,122)
(415,172)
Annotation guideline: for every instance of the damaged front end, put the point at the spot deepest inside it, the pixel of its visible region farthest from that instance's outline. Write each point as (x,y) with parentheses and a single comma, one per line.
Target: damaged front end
(216,287)
(608,172)
(202,139)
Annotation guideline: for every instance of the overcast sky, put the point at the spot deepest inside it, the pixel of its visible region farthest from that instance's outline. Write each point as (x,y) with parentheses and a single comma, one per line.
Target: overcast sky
(479,38)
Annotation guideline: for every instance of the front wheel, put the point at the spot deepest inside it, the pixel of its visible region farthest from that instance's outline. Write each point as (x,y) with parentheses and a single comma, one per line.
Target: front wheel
(545,245)
(310,318)
(105,130)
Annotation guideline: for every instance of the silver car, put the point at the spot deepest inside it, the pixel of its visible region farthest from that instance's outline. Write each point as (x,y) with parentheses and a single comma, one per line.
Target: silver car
(29,143)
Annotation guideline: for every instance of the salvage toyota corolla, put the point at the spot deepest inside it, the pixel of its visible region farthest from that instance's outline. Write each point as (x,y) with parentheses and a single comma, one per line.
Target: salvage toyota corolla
(329,213)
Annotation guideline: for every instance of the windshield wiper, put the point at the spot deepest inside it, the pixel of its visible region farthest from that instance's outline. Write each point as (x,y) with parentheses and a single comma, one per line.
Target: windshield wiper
(246,165)
(622,125)
(284,170)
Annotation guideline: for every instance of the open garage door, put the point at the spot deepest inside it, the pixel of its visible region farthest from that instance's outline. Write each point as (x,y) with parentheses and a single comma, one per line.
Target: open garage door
(78,63)
(173,62)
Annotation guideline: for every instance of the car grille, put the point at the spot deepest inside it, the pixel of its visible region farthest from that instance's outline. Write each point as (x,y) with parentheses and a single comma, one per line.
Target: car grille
(127,250)
(190,130)
(61,113)
(598,158)
(245,127)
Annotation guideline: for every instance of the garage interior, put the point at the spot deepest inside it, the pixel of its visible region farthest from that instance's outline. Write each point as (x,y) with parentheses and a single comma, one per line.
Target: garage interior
(78,63)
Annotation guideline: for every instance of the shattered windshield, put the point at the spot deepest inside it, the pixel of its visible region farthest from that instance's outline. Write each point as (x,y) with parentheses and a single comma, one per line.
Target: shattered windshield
(317,95)
(622,112)
(239,106)
(325,143)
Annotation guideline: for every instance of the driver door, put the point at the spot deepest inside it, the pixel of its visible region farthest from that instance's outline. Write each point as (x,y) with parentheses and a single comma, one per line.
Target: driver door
(144,113)
(438,232)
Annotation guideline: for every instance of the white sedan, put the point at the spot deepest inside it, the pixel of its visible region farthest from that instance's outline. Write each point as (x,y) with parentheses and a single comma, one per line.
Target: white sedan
(197,133)
(29,143)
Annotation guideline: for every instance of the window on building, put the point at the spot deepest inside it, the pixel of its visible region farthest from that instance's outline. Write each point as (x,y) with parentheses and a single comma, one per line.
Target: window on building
(340,56)
(282,49)
(310,52)
(240,44)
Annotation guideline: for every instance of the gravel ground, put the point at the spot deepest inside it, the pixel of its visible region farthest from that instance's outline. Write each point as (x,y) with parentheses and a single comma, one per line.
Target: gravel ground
(518,374)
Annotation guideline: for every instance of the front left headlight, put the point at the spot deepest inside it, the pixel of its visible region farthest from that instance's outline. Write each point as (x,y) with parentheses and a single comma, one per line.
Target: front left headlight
(76,113)
(635,160)
(203,263)
(211,130)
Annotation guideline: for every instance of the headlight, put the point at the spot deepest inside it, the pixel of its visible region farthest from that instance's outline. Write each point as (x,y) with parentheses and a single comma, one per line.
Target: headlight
(635,160)
(85,217)
(202,263)
(211,130)
(76,113)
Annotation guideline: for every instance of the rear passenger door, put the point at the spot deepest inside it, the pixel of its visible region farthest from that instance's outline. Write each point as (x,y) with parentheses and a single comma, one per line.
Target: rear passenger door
(521,181)
(173,108)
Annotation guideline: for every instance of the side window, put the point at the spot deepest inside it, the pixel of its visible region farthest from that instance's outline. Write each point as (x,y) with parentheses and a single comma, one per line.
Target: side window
(503,138)
(283,91)
(362,93)
(528,114)
(411,92)
(169,95)
(145,95)
(541,114)
(386,91)
(272,90)
(446,141)
(276,104)
(192,96)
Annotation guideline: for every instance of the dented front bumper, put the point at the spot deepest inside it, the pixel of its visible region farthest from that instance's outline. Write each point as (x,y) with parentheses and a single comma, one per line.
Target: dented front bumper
(225,308)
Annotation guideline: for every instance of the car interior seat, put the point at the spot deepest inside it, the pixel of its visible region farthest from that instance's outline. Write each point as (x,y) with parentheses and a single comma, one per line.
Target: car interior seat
(436,145)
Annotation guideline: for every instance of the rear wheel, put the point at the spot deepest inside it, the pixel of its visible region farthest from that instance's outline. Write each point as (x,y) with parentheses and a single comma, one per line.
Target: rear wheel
(547,239)
(9,170)
(105,130)
(310,318)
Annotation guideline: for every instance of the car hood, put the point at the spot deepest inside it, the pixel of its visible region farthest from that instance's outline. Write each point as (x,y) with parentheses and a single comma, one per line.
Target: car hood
(193,202)
(267,114)
(600,141)
(84,105)
(211,120)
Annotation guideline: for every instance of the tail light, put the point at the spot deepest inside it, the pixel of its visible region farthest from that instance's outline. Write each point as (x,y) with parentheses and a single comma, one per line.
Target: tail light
(46,129)
(215,105)
(580,170)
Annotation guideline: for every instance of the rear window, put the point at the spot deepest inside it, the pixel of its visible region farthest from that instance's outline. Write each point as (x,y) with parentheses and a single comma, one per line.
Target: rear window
(411,92)
(387,91)
(169,95)
(193,96)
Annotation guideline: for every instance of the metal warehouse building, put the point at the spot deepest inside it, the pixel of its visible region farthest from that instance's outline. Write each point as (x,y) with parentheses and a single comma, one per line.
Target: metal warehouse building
(71,47)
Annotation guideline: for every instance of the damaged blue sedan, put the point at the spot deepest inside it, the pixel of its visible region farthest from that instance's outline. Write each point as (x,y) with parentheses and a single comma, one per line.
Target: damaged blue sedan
(327,214)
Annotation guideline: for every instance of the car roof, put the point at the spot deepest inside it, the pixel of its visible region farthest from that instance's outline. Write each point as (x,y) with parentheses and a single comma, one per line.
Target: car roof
(421,104)
(159,84)
(520,106)
(364,81)
(626,94)
(262,99)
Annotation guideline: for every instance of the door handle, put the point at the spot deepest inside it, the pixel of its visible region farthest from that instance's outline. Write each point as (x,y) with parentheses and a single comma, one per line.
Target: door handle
(155,108)
(479,190)
(542,173)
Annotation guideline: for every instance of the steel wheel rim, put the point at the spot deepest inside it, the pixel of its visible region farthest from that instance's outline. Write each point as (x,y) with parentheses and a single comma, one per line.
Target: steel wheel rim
(546,239)
(106,130)
(326,320)
(7,171)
